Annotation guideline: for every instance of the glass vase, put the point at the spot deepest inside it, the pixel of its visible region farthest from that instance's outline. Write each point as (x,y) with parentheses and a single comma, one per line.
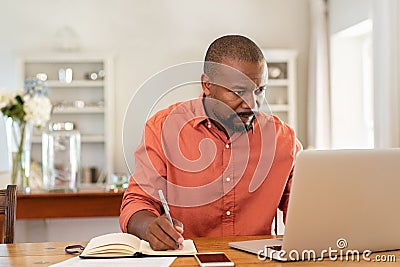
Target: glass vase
(61,146)
(19,141)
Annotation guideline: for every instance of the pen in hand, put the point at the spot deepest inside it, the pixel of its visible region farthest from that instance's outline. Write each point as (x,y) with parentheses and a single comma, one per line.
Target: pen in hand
(166,210)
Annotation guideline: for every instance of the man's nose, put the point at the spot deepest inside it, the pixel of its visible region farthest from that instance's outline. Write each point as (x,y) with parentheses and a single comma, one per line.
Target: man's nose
(248,101)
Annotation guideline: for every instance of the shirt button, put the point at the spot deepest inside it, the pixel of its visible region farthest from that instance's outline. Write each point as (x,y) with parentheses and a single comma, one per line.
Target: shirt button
(228,213)
(228,179)
(227,145)
(209,125)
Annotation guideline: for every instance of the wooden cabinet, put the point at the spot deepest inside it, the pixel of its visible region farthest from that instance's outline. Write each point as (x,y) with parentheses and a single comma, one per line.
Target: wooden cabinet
(68,205)
(281,90)
(80,89)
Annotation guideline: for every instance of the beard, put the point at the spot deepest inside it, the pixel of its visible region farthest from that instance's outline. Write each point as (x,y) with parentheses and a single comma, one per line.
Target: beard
(238,126)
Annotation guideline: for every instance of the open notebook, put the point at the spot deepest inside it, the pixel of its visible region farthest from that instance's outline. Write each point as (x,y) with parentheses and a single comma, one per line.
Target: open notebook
(116,245)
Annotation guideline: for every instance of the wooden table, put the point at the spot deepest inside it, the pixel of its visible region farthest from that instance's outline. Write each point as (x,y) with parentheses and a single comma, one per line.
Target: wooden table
(45,254)
(39,205)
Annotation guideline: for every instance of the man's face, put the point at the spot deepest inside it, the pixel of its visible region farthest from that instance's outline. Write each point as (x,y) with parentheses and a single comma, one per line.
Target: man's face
(235,93)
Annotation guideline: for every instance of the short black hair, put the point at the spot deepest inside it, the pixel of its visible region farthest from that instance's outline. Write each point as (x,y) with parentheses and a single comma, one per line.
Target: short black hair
(236,47)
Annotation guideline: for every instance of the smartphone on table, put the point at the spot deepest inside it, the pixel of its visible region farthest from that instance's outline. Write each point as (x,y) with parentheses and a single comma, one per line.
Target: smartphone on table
(213,259)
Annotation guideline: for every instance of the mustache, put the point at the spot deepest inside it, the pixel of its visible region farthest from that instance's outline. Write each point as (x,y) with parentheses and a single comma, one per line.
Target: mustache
(249,113)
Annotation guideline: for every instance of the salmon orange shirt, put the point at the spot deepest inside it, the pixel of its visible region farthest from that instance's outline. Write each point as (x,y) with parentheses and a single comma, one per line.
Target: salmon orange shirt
(216,186)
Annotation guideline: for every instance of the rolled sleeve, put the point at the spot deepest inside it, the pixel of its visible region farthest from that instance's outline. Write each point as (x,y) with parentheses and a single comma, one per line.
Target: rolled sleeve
(134,200)
(149,176)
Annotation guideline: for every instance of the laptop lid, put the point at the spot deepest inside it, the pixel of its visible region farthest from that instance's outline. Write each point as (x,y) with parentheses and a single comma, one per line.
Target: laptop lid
(342,200)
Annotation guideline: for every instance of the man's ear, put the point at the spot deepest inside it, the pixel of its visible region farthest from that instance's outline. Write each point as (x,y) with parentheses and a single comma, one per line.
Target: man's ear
(206,84)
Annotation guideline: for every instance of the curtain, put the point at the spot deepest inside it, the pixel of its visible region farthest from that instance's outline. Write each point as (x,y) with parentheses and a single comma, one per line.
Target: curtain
(319,108)
(386,34)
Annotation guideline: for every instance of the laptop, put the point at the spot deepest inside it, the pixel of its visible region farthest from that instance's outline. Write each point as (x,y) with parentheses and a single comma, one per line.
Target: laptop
(343,200)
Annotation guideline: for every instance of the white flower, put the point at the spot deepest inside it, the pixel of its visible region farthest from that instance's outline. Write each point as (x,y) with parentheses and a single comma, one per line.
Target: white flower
(37,110)
(6,98)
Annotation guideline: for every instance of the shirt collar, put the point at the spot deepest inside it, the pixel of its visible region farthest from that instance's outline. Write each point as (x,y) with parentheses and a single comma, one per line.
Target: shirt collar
(200,115)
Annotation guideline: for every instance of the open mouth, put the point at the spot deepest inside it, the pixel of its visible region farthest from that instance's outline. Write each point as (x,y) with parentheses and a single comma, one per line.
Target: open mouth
(245,117)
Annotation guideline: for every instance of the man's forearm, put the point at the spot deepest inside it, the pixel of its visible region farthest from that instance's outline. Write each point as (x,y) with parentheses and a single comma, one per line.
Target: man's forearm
(139,223)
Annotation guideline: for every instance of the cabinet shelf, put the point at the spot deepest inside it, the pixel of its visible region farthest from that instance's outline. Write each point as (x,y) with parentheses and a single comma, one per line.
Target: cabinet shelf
(92,138)
(279,107)
(86,103)
(278,82)
(74,110)
(281,90)
(84,139)
(75,84)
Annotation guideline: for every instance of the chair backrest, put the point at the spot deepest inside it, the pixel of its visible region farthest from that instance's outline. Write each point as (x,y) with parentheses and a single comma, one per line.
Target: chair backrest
(8,205)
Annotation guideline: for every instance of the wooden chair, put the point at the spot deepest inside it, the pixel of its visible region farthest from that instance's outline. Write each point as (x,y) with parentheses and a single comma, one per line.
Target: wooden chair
(8,205)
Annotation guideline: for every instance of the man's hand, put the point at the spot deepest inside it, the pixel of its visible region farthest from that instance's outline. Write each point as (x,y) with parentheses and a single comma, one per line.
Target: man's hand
(158,231)
(162,236)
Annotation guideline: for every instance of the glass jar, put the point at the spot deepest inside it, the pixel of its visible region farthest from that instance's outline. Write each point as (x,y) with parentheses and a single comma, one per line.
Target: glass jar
(61,149)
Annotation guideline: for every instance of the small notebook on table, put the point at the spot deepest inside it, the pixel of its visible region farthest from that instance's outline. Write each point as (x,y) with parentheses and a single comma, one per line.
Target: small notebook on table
(117,245)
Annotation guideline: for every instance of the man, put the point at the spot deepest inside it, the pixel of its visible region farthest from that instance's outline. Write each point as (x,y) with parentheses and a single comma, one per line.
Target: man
(224,166)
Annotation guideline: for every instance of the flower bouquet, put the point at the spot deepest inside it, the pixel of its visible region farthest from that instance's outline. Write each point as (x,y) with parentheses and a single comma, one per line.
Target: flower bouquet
(23,110)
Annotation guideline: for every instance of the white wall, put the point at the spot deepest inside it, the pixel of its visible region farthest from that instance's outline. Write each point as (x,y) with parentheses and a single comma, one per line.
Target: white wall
(386,38)
(148,36)
(70,230)
(3,152)
(384,34)
(4,175)
(345,13)
(349,107)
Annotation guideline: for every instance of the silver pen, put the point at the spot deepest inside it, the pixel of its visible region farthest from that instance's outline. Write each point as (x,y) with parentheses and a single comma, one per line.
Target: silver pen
(166,209)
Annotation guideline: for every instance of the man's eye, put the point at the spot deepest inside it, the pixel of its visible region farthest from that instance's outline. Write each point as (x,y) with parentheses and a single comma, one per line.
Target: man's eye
(259,90)
(239,93)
